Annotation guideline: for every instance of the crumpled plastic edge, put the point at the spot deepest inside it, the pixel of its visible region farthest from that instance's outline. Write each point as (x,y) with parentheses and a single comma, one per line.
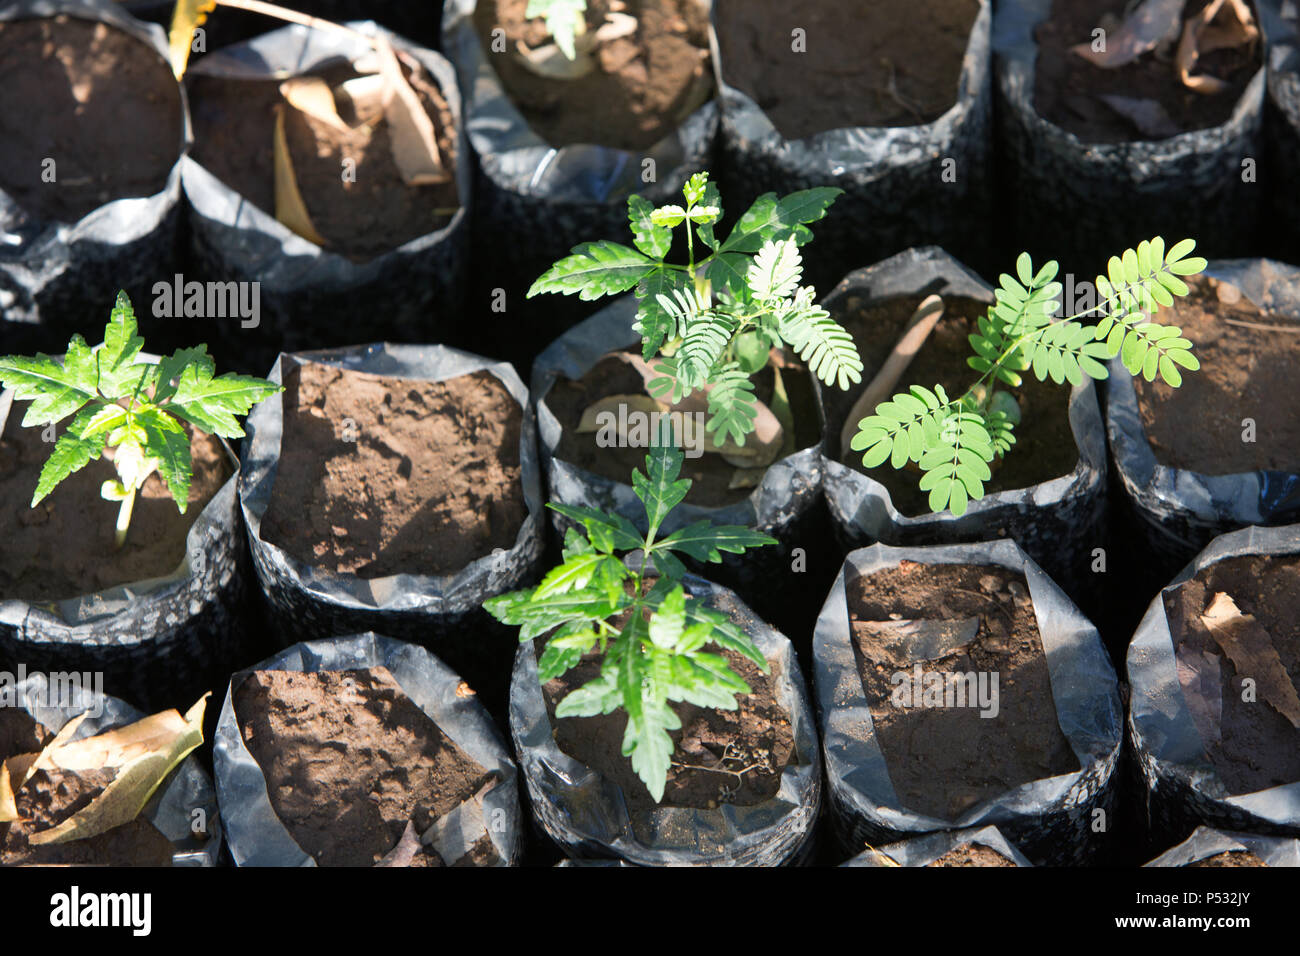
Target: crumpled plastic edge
(433,594)
(1193,502)
(1085,691)
(516,159)
(1166,742)
(255,835)
(588,815)
(924,850)
(171,807)
(296,262)
(788,489)
(1206,842)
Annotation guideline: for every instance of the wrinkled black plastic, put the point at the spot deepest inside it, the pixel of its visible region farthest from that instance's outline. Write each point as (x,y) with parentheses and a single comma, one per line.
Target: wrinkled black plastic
(1051,820)
(1206,842)
(587,815)
(256,836)
(1183,791)
(924,850)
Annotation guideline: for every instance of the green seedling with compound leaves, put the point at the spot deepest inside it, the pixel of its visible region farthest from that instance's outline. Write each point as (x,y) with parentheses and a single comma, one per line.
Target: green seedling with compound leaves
(651,635)
(713,320)
(132,408)
(564,20)
(954,440)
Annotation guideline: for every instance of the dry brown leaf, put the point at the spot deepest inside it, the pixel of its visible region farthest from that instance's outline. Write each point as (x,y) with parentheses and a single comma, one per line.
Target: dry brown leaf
(312,95)
(8,806)
(365,94)
(1250,648)
(289,207)
(411,133)
(454,833)
(1221,24)
(404,852)
(612,404)
(1144,30)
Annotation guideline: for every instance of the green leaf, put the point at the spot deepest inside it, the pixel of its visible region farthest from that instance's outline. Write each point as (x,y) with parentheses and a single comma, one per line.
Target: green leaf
(71,453)
(659,489)
(656,321)
(751,351)
(712,199)
(669,619)
(775,271)
(732,408)
(56,388)
(601,695)
(772,218)
(563,20)
(824,344)
(608,532)
(211,404)
(119,375)
(653,240)
(167,443)
(705,541)
(572,575)
(595,269)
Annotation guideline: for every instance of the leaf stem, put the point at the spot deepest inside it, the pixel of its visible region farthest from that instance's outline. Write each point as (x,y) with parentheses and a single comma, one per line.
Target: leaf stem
(124,519)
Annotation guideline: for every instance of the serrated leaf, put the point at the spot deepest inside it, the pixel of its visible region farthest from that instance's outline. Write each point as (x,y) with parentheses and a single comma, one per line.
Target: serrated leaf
(71,454)
(650,238)
(772,218)
(595,269)
(167,443)
(211,404)
(705,541)
(118,374)
(56,388)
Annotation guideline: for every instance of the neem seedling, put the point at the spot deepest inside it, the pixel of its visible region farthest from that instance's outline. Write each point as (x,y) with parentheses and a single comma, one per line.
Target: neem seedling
(953,441)
(564,20)
(651,636)
(131,408)
(714,321)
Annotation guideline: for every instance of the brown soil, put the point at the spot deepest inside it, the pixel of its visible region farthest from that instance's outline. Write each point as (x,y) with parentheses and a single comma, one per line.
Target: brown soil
(1232,858)
(944,760)
(972,855)
(375,212)
(867,63)
(51,797)
(431,482)
(1045,446)
(1067,87)
(97,101)
(719,756)
(709,473)
(643,87)
(1198,426)
(1259,747)
(349,760)
(67,540)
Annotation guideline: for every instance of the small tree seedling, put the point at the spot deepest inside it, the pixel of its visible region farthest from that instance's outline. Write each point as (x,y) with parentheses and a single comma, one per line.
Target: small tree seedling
(954,440)
(651,636)
(713,321)
(132,408)
(565,20)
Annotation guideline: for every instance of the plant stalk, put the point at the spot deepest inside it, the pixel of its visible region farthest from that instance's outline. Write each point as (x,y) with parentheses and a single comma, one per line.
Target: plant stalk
(124,518)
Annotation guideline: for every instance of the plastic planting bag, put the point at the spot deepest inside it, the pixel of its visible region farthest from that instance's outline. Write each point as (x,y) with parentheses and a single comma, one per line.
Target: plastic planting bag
(903,185)
(256,836)
(1057,522)
(1083,200)
(1207,842)
(1183,790)
(1282,120)
(1180,510)
(159,642)
(534,202)
(1055,820)
(56,273)
(441,611)
(588,816)
(311,297)
(183,809)
(924,850)
(781,506)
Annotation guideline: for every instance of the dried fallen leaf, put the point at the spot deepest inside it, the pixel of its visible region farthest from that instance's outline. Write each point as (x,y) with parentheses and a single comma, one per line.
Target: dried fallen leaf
(411,132)
(143,754)
(188,15)
(594,415)
(1146,28)
(289,206)
(1221,24)
(365,94)
(312,95)
(1250,648)
(454,834)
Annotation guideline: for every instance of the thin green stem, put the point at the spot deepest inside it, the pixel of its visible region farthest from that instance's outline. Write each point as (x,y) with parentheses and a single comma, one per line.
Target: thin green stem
(124,518)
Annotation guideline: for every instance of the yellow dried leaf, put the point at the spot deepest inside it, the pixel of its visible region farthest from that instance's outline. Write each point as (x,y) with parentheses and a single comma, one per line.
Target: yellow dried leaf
(312,95)
(410,131)
(289,207)
(188,15)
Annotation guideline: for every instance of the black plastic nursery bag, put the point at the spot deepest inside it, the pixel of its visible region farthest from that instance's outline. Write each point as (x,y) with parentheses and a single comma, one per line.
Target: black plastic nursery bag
(311,297)
(184,800)
(61,275)
(587,815)
(1057,522)
(1281,20)
(159,642)
(443,612)
(256,836)
(903,185)
(1183,791)
(1051,820)
(1207,842)
(924,850)
(1180,511)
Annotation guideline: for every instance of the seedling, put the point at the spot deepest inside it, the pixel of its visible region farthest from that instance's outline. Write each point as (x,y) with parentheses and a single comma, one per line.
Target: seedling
(564,20)
(131,408)
(953,441)
(638,616)
(713,321)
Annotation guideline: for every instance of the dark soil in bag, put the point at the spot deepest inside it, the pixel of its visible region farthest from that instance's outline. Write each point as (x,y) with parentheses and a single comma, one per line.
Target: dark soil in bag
(95,100)
(1219,849)
(1072,93)
(985,847)
(430,481)
(350,760)
(639,88)
(875,63)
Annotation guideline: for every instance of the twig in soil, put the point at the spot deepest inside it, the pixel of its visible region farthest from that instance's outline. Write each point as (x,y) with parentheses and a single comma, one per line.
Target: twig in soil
(1264,328)
(892,89)
(917,330)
